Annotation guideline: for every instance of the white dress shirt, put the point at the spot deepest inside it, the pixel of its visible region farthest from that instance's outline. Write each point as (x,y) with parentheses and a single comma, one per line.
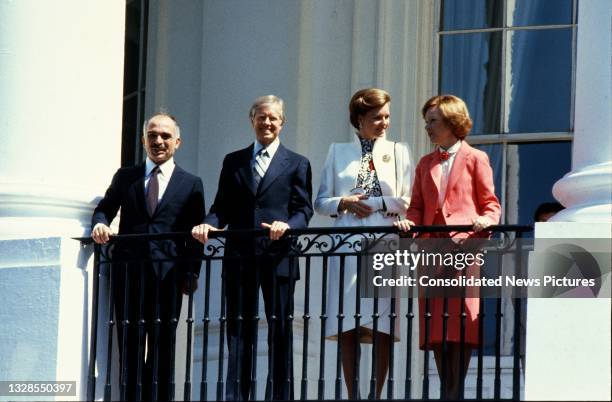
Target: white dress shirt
(447,165)
(163,178)
(271,149)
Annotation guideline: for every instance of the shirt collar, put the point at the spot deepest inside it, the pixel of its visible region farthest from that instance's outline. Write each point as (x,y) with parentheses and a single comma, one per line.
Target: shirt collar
(166,168)
(272,148)
(453,149)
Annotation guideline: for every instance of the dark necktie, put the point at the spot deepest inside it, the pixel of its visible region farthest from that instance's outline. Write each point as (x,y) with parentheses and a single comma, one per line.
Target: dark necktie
(153,191)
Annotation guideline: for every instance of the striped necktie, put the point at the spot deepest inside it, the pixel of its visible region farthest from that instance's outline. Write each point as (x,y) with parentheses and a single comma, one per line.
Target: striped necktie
(260,165)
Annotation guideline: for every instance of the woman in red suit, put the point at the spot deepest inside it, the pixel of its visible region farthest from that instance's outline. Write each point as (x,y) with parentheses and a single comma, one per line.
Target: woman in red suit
(453,186)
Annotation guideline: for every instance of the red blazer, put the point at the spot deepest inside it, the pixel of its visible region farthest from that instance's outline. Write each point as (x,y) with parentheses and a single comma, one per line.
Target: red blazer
(470,191)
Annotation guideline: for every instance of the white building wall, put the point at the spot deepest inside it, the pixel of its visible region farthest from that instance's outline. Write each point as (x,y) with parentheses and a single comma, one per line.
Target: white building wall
(61,74)
(209,60)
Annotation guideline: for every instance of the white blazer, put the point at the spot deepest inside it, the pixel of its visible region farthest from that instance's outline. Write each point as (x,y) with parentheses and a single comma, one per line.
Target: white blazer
(393,166)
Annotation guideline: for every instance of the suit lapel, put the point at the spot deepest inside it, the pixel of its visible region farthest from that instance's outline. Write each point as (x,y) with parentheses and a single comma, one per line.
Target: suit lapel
(384,162)
(138,190)
(245,170)
(352,156)
(278,164)
(435,173)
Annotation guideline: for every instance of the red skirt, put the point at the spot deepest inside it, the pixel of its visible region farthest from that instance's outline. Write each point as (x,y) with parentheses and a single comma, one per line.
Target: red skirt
(471,308)
(453,324)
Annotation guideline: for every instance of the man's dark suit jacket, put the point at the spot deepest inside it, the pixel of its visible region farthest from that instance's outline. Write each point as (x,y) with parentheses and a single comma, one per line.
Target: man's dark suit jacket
(284,194)
(179,210)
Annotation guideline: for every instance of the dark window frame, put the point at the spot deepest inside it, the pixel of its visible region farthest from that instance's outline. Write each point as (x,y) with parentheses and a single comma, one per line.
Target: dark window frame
(136,38)
(501,138)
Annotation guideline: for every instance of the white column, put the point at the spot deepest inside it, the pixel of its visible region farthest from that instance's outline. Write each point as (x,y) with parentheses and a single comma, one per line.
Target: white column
(61,74)
(568,340)
(586,191)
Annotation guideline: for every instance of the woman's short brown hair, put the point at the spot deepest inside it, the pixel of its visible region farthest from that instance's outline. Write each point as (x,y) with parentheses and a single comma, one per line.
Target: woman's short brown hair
(454,111)
(365,100)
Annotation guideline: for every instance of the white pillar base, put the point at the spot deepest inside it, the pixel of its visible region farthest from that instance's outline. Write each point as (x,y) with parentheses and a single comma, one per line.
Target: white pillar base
(568,340)
(587,193)
(46,291)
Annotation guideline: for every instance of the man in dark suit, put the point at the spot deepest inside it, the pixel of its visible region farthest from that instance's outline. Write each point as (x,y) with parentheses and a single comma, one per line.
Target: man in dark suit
(156,196)
(264,185)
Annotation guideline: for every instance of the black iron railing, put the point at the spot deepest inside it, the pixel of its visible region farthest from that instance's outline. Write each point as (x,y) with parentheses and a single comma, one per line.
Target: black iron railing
(130,257)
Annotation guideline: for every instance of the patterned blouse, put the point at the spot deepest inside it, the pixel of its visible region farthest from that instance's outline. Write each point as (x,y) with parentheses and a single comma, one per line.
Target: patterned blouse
(367,178)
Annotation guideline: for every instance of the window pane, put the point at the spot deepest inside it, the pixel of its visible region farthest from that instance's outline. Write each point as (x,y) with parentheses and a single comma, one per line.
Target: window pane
(539,12)
(532,171)
(470,67)
(538,81)
(132,37)
(470,14)
(130,132)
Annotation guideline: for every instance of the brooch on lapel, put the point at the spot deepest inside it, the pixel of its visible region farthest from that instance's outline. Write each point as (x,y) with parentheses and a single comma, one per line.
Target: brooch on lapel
(386,158)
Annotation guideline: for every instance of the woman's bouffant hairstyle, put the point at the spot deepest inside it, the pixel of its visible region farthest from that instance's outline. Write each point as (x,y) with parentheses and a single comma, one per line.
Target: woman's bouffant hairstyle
(365,100)
(454,111)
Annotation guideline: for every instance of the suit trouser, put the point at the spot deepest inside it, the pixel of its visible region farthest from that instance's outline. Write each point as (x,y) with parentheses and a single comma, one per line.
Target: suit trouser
(242,295)
(160,299)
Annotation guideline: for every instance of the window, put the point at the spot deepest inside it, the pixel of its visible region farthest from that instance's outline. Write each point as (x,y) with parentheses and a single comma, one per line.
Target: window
(136,17)
(512,61)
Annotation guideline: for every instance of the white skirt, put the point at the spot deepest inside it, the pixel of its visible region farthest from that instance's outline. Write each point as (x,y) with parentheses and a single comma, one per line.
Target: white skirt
(349,289)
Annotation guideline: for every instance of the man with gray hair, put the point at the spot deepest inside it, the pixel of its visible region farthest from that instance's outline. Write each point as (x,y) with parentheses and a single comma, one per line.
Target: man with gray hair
(264,185)
(156,196)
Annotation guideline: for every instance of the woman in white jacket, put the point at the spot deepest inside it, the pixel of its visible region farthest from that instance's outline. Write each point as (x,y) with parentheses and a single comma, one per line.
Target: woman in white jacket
(365,182)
